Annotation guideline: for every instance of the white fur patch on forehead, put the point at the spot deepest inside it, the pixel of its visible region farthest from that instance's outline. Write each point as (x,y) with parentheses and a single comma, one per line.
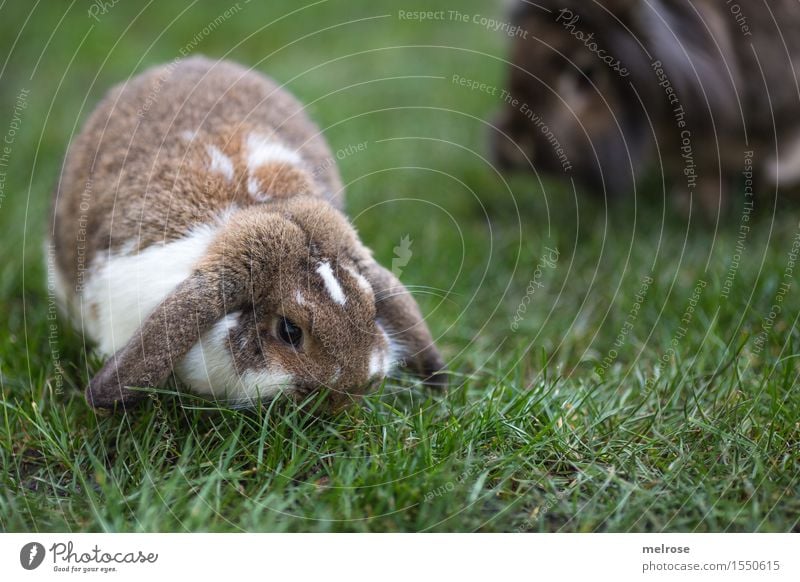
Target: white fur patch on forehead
(220,163)
(261,150)
(360,279)
(331,283)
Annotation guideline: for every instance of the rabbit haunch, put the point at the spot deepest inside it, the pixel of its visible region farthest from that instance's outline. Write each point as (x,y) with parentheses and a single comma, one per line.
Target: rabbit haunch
(205,237)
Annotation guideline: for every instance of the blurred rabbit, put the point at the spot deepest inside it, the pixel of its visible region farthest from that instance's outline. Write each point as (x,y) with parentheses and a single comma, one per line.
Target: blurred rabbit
(608,90)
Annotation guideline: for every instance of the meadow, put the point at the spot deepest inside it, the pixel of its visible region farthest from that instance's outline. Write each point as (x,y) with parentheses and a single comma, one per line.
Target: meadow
(614,366)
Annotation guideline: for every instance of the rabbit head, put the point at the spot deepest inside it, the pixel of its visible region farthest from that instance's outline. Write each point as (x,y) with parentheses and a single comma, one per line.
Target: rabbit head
(566,111)
(286,299)
(588,80)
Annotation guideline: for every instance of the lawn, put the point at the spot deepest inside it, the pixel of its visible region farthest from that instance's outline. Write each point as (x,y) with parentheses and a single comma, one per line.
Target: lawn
(613,367)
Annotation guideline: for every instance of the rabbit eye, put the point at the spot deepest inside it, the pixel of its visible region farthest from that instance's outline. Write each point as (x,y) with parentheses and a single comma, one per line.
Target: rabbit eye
(289,333)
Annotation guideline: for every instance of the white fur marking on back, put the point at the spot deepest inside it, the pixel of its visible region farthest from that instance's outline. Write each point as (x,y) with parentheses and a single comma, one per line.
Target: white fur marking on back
(331,283)
(254,189)
(220,163)
(262,151)
(122,291)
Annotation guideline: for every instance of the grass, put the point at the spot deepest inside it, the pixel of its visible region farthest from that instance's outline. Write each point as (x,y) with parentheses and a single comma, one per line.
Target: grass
(636,392)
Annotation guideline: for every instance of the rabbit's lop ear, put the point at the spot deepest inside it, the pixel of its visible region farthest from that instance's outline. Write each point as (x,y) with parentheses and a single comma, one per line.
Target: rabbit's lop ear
(400,317)
(160,342)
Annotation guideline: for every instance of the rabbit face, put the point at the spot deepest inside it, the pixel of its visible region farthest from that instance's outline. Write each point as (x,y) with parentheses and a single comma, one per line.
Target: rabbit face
(568,109)
(216,248)
(284,300)
(306,318)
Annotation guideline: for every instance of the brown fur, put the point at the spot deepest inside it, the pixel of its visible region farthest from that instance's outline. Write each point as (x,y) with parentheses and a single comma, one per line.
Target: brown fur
(149,184)
(603,118)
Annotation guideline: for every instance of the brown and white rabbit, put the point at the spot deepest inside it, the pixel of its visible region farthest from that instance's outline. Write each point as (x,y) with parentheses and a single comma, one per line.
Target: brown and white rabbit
(198,229)
(604,88)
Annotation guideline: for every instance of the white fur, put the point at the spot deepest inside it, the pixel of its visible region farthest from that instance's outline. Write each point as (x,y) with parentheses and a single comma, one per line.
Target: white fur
(261,151)
(254,189)
(264,384)
(360,279)
(122,290)
(208,369)
(383,359)
(331,283)
(220,163)
(393,352)
(376,362)
(300,298)
(208,366)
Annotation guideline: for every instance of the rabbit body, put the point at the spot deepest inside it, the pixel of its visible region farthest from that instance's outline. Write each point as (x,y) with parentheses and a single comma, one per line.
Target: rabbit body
(198,228)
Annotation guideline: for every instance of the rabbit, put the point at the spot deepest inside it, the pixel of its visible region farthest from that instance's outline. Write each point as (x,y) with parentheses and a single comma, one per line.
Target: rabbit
(198,229)
(605,91)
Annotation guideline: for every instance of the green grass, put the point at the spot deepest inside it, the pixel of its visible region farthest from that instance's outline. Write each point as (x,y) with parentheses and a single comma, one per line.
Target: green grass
(689,420)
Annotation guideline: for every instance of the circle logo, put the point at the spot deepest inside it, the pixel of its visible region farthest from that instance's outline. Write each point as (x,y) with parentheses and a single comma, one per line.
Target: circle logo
(31,555)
